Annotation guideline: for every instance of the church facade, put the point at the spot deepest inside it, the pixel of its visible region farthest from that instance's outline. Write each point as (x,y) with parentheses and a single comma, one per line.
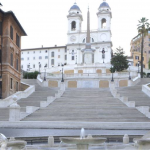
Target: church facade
(73,53)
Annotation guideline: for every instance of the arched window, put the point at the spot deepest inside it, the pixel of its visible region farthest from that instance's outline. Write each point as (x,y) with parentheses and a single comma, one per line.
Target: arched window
(73,26)
(103,23)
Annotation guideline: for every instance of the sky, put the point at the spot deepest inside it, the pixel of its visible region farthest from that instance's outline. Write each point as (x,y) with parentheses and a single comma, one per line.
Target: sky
(45,21)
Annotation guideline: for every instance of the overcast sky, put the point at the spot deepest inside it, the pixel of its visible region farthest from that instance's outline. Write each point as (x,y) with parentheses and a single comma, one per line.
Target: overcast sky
(45,21)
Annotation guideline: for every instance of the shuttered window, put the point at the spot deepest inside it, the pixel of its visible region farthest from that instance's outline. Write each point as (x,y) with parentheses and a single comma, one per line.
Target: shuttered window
(17,40)
(17,67)
(11,32)
(0,28)
(11,59)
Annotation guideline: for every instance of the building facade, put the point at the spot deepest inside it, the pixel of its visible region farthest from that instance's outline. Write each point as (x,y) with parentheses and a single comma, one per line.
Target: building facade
(73,52)
(10,39)
(136,50)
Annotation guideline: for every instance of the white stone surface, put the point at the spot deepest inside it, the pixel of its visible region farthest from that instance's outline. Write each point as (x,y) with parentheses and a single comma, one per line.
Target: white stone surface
(14,112)
(126,139)
(50,141)
(146,89)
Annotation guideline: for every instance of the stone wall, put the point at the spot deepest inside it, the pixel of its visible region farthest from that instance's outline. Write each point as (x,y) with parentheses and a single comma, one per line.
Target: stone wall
(52,83)
(23,87)
(72,84)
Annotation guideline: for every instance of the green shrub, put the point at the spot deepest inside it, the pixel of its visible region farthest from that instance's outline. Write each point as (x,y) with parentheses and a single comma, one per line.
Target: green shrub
(30,75)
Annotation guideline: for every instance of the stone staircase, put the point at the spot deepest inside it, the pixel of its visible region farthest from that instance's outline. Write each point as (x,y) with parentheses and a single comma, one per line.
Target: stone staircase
(135,94)
(89,105)
(40,94)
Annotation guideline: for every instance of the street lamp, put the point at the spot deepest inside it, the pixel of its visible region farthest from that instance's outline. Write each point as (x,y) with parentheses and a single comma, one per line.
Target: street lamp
(112,69)
(129,73)
(103,54)
(39,67)
(138,66)
(62,80)
(45,72)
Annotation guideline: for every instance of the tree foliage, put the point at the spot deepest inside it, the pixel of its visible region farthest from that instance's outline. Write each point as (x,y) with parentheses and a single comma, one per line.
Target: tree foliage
(119,61)
(30,75)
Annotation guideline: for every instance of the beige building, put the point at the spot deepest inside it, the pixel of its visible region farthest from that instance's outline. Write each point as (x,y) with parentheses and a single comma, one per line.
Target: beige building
(136,50)
(10,53)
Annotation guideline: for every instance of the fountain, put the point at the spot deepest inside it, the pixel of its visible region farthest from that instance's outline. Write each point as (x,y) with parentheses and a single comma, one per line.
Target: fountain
(82,142)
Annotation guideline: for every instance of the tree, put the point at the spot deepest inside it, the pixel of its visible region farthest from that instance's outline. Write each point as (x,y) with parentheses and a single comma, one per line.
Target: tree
(149,64)
(119,61)
(143,28)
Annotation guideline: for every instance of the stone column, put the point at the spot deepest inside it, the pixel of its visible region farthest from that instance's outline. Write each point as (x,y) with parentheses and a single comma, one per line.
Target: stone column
(14,112)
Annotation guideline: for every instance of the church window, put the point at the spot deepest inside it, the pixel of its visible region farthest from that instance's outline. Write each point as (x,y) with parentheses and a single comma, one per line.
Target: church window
(52,54)
(52,61)
(103,23)
(73,26)
(65,57)
(72,57)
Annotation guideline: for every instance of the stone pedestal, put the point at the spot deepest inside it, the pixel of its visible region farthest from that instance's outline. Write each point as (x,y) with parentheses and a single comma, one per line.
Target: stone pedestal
(82,147)
(50,141)
(14,112)
(62,86)
(126,139)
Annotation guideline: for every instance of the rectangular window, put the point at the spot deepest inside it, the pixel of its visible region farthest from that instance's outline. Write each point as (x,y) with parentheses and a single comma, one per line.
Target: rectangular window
(34,52)
(137,57)
(17,86)
(0,56)
(28,58)
(11,59)
(17,64)
(65,50)
(11,83)
(52,54)
(65,57)
(11,32)
(22,58)
(40,57)
(149,44)
(0,28)
(34,66)
(46,57)
(46,51)
(52,61)
(72,57)
(149,39)
(34,58)
(58,50)
(22,66)
(58,56)
(17,40)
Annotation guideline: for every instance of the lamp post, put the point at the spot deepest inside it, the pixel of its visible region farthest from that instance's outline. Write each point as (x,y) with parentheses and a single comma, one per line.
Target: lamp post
(39,67)
(45,72)
(62,80)
(103,54)
(112,80)
(129,73)
(138,66)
